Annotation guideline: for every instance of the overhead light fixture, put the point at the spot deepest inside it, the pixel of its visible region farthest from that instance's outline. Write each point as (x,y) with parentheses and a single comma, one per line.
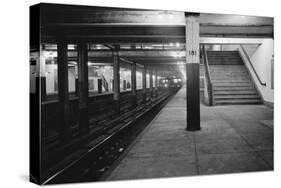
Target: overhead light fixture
(98,47)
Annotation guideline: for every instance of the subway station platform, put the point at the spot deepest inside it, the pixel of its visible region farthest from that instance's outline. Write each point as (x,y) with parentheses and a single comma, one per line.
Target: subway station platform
(233,138)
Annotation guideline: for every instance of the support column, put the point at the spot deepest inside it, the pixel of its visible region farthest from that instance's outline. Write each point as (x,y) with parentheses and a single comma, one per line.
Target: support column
(76,85)
(144,84)
(156,83)
(99,85)
(83,90)
(64,110)
(134,84)
(192,71)
(151,83)
(41,77)
(116,79)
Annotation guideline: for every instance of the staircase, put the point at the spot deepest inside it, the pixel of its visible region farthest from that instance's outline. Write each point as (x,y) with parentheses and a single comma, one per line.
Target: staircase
(231,81)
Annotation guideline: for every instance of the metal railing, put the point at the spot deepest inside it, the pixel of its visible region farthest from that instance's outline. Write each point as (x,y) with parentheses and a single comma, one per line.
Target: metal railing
(250,62)
(209,84)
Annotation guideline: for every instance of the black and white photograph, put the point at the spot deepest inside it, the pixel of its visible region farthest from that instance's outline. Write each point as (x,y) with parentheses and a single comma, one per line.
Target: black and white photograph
(126,94)
(131,93)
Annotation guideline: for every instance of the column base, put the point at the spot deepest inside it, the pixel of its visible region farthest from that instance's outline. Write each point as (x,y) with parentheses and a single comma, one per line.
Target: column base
(192,129)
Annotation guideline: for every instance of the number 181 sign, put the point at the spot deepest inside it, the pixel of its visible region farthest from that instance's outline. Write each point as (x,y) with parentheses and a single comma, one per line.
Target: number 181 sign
(192,38)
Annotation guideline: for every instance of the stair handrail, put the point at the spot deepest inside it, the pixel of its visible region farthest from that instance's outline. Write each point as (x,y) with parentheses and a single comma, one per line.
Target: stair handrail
(250,62)
(208,77)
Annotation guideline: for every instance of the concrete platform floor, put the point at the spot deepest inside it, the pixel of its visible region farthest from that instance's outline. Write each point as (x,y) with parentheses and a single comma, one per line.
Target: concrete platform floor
(232,140)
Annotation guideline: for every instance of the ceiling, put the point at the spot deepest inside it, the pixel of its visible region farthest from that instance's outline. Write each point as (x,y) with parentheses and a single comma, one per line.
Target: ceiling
(108,26)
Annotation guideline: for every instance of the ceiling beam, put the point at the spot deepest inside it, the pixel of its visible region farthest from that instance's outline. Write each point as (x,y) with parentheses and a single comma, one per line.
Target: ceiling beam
(229,41)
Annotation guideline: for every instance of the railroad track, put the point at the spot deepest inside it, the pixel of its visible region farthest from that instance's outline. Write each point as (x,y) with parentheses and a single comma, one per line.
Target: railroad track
(95,155)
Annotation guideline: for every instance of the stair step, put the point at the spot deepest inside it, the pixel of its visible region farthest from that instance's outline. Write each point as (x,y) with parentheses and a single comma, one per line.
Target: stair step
(234,88)
(246,101)
(226,67)
(234,74)
(235,92)
(232,84)
(229,77)
(228,70)
(223,66)
(229,67)
(215,59)
(222,51)
(223,55)
(230,81)
(225,63)
(230,59)
(233,97)
(228,73)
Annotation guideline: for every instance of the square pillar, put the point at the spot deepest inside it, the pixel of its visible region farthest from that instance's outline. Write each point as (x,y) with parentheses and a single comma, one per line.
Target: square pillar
(156,83)
(63,95)
(83,90)
(99,85)
(144,84)
(41,68)
(134,84)
(192,71)
(151,82)
(116,79)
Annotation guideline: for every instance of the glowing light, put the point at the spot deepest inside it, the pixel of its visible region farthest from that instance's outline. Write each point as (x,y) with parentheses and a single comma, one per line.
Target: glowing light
(178,55)
(49,54)
(180,62)
(177,44)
